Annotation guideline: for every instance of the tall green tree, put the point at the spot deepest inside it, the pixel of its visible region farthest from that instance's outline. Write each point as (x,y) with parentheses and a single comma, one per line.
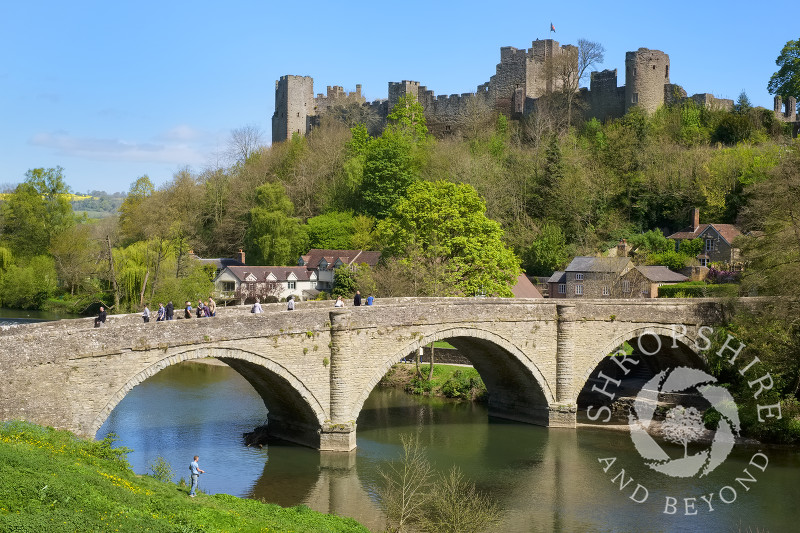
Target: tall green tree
(446,224)
(274,236)
(786,82)
(37,210)
(547,253)
(389,169)
(132,212)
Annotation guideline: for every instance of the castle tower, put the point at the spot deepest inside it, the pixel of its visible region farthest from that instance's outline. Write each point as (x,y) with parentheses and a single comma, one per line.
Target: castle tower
(646,73)
(398,89)
(294,105)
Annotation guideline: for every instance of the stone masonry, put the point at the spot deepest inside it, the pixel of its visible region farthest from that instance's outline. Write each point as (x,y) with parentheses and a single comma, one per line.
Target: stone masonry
(315,367)
(521,77)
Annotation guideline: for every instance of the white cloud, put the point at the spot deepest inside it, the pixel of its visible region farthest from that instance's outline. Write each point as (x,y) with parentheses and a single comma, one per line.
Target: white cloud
(174,147)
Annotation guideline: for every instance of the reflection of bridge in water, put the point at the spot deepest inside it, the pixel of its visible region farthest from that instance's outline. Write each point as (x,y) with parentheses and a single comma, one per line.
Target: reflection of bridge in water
(315,367)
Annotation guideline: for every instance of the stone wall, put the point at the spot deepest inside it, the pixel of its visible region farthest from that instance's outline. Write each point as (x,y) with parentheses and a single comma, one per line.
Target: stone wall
(315,367)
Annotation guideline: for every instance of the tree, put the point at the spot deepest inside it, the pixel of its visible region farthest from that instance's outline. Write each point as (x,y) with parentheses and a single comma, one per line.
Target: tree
(547,253)
(743,104)
(344,282)
(131,213)
(446,224)
(570,66)
(75,254)
(37,210)
(243,143)
(683,426)
(274,236)
(408,117)
(389,168)
(332,230)
(786,82)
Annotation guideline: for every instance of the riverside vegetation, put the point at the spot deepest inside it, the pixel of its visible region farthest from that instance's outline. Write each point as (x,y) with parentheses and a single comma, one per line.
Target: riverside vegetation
(51,481)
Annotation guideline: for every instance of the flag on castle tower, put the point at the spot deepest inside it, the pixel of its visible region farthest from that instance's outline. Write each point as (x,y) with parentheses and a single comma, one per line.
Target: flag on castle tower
(552,28)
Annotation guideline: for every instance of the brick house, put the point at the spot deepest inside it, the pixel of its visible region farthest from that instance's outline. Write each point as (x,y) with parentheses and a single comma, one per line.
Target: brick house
(717,241)
(644,281)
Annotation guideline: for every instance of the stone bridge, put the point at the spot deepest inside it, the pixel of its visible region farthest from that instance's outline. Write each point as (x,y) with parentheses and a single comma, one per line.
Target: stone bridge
(314,367)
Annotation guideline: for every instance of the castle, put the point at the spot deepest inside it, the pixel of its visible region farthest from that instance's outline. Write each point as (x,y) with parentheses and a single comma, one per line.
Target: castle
(520,79)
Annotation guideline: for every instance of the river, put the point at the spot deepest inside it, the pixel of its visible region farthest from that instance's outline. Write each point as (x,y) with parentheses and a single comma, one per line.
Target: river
(545,480)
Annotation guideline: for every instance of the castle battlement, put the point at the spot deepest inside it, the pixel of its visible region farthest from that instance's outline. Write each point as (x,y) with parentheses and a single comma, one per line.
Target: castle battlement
(521,77)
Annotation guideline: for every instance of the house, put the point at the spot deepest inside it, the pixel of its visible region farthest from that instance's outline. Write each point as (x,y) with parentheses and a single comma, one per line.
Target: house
(246,283)
(644,281)
(595,277)
(220,262)
(557,285)
(325,262)
(717,241)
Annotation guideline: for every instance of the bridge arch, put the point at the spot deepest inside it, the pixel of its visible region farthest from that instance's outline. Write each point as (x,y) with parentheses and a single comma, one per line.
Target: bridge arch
(517,388)
(682,348)
(295,414)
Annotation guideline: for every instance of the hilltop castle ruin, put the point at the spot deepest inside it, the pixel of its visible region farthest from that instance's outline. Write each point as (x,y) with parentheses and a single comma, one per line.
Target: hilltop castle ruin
(521,77)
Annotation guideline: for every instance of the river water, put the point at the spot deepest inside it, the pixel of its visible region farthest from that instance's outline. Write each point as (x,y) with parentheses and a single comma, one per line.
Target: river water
(544,480)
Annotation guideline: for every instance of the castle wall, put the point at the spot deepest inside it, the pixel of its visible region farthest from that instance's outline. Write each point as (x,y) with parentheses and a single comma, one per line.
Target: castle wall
(294,101)
(605,99)
(521,77)
(646,73)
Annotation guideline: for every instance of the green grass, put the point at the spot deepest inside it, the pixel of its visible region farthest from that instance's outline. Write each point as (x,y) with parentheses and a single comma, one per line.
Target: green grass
(449,381)
(51,481)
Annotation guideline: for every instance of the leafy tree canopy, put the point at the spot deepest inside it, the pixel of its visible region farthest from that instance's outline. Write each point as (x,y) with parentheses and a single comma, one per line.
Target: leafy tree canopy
(274,236)
(446,222)
(786,82)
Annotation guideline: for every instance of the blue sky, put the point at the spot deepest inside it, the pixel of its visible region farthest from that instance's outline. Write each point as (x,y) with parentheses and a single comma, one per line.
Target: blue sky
(111,91)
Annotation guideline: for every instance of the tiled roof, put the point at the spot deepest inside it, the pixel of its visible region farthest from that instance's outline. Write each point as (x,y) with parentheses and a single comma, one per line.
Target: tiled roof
(558,277)
(525,289)
(661,274)
(726,231)
(598,264)
(281,273)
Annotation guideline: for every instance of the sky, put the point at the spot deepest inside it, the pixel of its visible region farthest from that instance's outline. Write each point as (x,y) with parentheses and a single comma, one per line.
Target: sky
(111,91)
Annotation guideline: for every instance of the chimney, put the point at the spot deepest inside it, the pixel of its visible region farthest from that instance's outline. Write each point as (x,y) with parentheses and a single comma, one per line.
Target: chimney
(622,248)
(696,219)
(241,256)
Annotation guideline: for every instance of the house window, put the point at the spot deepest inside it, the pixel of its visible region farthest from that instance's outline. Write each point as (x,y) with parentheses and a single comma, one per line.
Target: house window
(626,285)
(606,292)
(704,262)
(579,290)
(228,286)
(562,288)
(578,277)
(292,284)
(709,245)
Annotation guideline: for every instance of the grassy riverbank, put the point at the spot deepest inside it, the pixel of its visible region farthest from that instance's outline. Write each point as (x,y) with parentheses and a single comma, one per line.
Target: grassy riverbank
(52,481)
(449,381)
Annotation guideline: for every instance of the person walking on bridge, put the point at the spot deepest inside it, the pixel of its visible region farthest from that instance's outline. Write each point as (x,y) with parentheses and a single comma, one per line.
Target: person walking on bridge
(195,471)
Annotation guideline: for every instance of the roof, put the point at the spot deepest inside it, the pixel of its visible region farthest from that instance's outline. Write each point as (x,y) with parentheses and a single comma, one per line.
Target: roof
(558,277)
(726,231)
(312,259)
(220,262)
(281,273)
(598,264)
(661,274)
(525,289)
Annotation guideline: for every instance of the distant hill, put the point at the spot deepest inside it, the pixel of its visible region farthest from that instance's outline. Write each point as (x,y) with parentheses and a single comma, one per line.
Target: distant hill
(98,204)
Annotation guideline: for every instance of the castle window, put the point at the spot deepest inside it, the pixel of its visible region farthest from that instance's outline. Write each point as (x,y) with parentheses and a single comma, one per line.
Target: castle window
(298,114)
(635,98)
(666,72)
(634,71)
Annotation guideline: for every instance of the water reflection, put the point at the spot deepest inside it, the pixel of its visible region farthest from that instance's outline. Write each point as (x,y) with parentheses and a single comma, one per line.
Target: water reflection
(545,480)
